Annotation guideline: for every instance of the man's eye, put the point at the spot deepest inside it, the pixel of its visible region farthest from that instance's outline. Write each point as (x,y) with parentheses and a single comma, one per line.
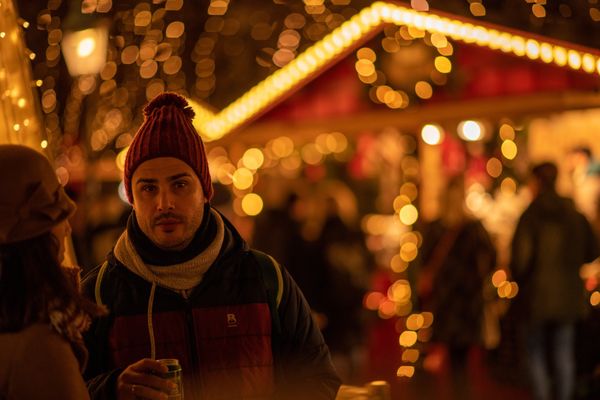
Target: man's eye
(180,184)
(148,188)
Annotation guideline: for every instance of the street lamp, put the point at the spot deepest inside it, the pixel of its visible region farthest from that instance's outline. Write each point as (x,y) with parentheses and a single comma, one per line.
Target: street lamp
(84,42)
(84,47)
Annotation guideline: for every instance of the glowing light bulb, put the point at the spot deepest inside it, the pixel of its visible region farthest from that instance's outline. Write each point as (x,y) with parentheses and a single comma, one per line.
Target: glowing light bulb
(431,134)
(470,130)
(409,214)
(252,204)
(532,49)
(86,47)
(574,59)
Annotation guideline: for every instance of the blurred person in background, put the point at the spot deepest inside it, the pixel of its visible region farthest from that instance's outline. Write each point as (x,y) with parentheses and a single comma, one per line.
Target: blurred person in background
(346,266)
(456,256)
(279,232)
(42,313)
(182,283)
(551,242)
(584,172)
(336,258)
(585,178)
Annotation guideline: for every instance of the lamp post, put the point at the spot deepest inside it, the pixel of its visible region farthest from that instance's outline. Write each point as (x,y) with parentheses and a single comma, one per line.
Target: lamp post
(84,47)
(84,42)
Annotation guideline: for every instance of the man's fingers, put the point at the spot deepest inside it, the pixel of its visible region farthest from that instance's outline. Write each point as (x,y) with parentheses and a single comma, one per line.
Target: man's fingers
(140,381)
(144,392)
(149,365)
(149,380)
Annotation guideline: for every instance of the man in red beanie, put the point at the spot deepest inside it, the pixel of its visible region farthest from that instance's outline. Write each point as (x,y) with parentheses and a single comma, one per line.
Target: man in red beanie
(182,284)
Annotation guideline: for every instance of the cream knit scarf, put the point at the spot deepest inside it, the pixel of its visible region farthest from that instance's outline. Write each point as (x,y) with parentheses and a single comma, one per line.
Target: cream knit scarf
(178,277)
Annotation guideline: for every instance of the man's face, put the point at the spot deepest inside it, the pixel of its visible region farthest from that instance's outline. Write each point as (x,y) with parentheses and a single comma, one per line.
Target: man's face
(168,201)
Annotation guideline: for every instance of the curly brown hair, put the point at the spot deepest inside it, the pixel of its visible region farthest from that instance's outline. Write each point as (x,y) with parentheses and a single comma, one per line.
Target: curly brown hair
(32,284)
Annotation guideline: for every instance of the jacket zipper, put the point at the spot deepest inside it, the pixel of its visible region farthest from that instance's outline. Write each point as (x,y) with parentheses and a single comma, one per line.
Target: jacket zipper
(189,317)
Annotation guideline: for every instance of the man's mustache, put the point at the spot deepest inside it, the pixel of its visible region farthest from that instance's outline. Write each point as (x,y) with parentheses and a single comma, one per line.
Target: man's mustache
(167,216)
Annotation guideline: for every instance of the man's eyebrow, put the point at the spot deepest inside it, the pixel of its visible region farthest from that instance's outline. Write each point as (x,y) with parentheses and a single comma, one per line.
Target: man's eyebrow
(170,178)
(146,180)
(177,176)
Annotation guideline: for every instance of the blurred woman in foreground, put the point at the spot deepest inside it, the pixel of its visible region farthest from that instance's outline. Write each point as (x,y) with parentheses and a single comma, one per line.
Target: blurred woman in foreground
(41,312)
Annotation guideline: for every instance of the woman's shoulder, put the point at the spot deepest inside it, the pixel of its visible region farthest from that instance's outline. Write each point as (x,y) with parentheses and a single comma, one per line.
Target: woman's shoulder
(41,358)
(41,336)
(37,342)
(32,333)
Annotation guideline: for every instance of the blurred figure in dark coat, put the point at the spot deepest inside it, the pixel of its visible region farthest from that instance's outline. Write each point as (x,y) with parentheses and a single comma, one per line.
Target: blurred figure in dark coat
(277,232)
(552,241)
(346,264)
(456,255)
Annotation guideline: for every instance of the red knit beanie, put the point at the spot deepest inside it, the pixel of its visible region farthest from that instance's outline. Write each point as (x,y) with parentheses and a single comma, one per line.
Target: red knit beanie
(167,131)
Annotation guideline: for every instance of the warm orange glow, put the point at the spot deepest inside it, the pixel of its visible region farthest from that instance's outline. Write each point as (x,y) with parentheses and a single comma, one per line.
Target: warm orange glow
(408,338)
(387,309)
(507,132)
(595,298)
(427,319)
(508,186)
(499,277)
(400,201)
(432,134)
(372,300)
(408,252)
(410,355)
(397,264)
(409,214)
(399,291)
(494,167)
(252,204)
(509,149)
(415,322)
(406,371)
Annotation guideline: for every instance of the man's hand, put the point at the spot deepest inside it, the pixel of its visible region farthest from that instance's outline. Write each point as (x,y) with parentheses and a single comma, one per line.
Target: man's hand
(140,381)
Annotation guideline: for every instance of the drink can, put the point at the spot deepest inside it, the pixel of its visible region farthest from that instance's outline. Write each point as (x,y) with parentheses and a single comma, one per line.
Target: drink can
(379,390)
(174,375)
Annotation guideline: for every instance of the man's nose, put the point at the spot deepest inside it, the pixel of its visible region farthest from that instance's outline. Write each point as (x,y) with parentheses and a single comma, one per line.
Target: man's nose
(165,201)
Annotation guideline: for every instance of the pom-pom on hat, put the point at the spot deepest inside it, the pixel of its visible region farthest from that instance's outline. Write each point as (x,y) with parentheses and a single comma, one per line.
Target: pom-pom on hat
(167,131)
(32,201)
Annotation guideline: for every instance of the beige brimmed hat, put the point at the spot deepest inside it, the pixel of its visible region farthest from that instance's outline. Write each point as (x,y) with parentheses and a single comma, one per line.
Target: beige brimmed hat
(32,201)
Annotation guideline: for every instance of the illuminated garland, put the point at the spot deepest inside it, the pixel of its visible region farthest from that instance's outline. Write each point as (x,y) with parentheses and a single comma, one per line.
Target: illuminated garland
(361,26)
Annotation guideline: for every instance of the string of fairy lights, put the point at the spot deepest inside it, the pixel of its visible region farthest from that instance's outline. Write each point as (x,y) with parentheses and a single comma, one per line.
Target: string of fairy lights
(19,112)
(151,53)
(364,24)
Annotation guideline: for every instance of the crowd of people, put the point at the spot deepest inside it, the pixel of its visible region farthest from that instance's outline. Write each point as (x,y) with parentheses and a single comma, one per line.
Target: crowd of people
(551,243)
(281,319)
